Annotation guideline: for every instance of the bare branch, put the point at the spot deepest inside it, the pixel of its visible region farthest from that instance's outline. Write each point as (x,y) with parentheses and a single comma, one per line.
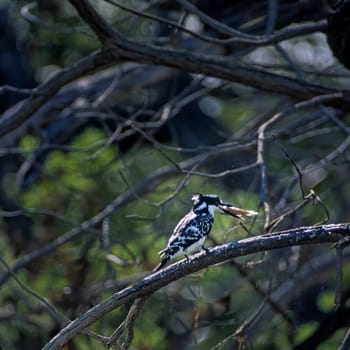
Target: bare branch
(22,111)
(97,23)
(16,90)
(219,254)
(118,48)
(126,329)
(345,344)
(339,276)
(29,16)
(241,37)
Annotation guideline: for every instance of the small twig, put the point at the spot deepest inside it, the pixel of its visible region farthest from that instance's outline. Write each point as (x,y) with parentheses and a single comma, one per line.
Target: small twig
(165,21)
(339,276)
(61,319)
(263,293)
(261,137)
(300,174)
(272,13)
(330,157)
(50,308)
(318,200)
(311,197)
(122,337)
(339,247)
(339,123)
(345,344)
(240,333)
(29,16)
(237,36)
(21,91)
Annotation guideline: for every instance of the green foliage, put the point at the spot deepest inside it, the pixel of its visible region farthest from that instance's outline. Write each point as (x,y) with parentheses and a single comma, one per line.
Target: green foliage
(147,324)
(305,331)
(325,301)
(334,341)
(276,337)
(69,176)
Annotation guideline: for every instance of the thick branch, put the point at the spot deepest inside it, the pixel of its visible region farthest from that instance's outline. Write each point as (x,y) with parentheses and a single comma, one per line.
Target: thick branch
(15,116)
(219,254)
(211,65)
(217,66)
(118,48)
(97,23)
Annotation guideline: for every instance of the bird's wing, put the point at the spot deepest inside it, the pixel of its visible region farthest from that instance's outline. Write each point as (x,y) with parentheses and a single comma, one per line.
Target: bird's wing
(182,224)
(182,234)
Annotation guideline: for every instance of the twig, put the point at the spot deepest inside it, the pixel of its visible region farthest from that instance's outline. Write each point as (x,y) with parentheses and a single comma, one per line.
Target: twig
(241,331)
(241,37)
(330,157)
(29,16)
(122,337)
(339,276)
(21,91)
(345,344)
(300,174)
(54,313)
(311,197)
(261,138)
(307,276)
(50,308)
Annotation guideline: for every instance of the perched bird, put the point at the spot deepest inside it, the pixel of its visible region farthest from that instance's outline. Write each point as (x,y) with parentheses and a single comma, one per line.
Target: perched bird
(191,231)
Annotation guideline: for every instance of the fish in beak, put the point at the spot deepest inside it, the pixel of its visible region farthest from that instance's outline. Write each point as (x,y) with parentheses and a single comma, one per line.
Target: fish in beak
(229,209)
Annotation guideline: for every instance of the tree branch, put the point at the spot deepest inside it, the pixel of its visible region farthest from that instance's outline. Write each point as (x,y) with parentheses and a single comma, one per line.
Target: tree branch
(237,36)
(97,23)
(148,285)
(226,68)
(118,48)
(14,117)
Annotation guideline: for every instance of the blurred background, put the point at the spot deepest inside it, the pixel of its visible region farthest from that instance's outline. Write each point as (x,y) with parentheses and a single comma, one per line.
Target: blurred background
(95,179)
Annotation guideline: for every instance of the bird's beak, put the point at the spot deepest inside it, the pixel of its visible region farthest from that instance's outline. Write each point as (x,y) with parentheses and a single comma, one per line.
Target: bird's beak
(229,209)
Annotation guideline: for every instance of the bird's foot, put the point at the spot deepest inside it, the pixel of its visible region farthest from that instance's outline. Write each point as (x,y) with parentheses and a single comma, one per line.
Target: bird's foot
(205,249)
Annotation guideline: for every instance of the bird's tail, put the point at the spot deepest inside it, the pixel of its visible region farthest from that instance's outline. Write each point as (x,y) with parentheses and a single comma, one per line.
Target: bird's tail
(166,254)
(162,263)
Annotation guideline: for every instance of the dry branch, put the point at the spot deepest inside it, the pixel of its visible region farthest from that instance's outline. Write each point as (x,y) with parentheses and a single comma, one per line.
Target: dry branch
(300,236)
(212,65)
(117,48)
(14,117)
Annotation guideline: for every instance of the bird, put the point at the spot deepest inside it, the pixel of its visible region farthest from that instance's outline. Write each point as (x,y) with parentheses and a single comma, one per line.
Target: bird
(191,231)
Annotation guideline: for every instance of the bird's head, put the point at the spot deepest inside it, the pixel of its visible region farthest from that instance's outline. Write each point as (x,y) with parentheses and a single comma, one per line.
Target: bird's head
(211,202)
(205,202)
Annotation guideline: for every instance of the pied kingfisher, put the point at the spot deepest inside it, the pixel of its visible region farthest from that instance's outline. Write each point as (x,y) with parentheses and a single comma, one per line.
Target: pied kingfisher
(190,232)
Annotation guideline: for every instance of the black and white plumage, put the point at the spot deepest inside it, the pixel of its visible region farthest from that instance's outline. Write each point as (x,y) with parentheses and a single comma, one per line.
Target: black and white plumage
(191,231)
